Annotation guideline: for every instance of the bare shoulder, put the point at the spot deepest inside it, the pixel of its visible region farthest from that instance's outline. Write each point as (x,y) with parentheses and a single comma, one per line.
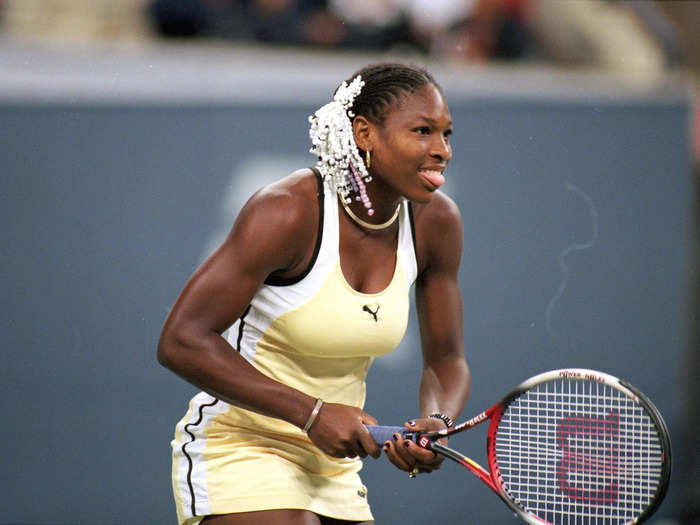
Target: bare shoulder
(278,224)
(291,193)
(441,209)
(438,225)
(288,203)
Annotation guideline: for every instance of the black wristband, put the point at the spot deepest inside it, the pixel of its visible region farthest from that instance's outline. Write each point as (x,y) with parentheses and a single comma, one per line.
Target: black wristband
(444,417)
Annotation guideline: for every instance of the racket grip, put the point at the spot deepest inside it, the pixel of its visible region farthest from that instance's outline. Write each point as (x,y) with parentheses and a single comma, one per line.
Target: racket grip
(382,434)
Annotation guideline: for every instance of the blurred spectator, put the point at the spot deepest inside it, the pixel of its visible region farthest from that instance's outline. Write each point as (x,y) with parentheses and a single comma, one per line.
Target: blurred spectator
(492,29)
(280,21)
(598,33)
(430,21)
(463,28)
(471,29)
(323,28)
(270,21)
(365,24)
(179,18)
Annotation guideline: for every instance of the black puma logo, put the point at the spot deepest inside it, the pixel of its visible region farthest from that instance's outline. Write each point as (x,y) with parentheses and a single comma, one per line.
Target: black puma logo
(367,309)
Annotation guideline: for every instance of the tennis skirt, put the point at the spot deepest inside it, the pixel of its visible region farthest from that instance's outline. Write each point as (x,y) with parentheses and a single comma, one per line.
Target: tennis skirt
(228,460)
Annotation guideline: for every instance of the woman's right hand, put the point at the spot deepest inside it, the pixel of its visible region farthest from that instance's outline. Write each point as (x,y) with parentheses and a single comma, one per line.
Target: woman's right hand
(340,431)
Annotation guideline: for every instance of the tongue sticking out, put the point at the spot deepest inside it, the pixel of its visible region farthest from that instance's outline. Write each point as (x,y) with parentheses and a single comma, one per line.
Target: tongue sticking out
(433,177)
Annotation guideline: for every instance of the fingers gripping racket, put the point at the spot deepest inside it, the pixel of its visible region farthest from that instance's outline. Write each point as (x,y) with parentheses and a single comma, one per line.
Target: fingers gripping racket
(573,446)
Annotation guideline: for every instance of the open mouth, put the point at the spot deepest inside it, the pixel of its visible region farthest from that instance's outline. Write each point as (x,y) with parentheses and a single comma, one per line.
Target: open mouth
(433,177)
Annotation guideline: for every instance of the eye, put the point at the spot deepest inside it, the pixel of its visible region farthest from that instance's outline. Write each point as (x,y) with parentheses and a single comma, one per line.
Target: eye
(423,130)
(447,133)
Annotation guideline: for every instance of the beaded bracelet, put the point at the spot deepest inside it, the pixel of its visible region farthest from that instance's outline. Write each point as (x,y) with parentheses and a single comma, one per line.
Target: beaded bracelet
(444,417)
(313,415)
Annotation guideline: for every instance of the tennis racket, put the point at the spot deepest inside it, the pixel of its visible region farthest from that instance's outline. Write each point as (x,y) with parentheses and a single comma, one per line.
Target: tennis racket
(567,447)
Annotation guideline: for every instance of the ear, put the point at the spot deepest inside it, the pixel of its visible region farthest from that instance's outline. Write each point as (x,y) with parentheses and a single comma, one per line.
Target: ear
(363,131)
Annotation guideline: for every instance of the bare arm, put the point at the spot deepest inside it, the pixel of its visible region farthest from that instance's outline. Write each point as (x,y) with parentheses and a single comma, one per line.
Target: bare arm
(191,344)
(445,379)
(216,295)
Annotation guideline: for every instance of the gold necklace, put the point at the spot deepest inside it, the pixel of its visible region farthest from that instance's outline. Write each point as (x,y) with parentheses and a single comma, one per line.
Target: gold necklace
(369,225)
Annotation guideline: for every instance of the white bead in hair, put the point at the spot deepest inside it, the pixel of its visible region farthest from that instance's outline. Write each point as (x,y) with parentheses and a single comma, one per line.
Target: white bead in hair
(333,142)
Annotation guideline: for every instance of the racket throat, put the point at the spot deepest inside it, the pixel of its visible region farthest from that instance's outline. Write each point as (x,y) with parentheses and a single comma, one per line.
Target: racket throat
(479,471)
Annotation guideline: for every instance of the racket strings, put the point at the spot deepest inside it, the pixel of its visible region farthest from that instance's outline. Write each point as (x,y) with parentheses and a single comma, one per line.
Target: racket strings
(579,452)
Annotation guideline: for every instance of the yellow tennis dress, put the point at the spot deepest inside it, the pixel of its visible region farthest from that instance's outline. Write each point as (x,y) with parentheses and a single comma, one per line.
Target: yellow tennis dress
(316,334)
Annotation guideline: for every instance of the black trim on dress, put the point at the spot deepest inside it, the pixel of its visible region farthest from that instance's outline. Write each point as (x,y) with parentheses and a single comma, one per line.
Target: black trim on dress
(241,323)
(413,231)
(189,459)
(286,281)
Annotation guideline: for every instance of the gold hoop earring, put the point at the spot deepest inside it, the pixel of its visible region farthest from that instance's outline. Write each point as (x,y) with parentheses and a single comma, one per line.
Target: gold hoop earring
(368,159)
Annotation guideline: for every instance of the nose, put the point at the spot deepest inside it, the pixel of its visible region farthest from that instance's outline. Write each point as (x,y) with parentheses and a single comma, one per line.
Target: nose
(440,149)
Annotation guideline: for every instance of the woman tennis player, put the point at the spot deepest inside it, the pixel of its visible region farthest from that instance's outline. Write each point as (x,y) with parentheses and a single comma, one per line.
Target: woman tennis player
(312,283)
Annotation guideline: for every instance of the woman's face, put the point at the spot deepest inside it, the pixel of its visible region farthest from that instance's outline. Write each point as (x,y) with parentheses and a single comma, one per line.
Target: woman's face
(411,148)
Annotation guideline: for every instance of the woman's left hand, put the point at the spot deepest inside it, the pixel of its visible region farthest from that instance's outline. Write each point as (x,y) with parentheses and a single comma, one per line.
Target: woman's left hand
(409,456)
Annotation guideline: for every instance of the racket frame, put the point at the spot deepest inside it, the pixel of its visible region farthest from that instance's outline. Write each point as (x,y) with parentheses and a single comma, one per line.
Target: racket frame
(492,478)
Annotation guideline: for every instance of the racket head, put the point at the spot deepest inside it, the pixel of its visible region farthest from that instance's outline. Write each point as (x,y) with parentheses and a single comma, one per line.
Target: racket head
(578,446)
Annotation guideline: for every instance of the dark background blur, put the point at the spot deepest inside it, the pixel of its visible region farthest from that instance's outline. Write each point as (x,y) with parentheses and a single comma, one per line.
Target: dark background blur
(132,132)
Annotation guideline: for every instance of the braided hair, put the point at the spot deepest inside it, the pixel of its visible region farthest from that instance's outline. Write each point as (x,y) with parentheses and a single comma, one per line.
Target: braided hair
(369,92)
(385,85)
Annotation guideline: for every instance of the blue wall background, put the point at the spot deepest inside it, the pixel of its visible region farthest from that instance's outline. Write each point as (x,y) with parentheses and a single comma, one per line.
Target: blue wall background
(574,220)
